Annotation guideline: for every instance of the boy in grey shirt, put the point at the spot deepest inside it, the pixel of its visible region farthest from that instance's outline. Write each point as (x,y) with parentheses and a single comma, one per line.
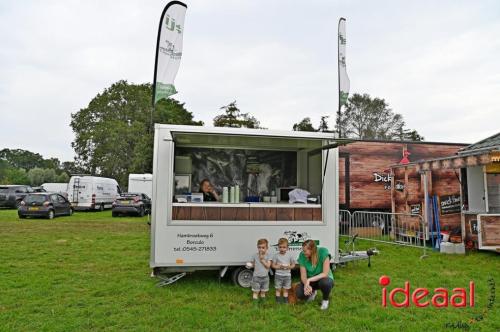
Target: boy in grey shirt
(261,262)
(283,263)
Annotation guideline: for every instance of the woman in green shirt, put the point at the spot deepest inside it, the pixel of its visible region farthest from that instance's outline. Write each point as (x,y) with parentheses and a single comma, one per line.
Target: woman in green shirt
(315,273)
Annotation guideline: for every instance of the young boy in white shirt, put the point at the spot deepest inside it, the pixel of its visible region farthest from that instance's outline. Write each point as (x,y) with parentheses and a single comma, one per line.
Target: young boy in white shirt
(261,262)
(283,262)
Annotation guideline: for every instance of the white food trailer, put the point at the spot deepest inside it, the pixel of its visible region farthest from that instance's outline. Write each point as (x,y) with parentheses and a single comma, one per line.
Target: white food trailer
(191,236)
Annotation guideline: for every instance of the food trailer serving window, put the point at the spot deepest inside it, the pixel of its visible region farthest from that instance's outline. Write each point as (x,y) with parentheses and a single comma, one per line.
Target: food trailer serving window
(261,169)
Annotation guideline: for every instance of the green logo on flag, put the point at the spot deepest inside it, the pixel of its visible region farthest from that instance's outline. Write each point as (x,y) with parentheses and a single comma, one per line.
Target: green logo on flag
(343,40)
(343,97)
(164,91)
(171,24)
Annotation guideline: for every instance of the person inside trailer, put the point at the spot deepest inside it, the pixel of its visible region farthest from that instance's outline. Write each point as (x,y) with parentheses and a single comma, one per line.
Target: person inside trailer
(208,191)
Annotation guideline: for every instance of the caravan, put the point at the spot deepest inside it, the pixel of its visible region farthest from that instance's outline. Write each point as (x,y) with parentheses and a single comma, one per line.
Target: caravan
(140,183)
(60,188)
(189,235)
(87,192)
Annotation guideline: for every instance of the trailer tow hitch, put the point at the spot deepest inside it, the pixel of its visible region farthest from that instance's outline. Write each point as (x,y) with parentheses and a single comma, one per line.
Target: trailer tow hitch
(169,280)
(358,255)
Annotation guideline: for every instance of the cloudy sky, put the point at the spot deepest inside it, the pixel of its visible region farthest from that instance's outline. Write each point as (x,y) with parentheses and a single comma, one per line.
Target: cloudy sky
(435,62)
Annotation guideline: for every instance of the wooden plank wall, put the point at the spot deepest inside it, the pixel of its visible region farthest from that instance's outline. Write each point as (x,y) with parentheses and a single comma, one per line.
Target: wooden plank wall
(367,158)
(246,213)
(442,183)
(490,230)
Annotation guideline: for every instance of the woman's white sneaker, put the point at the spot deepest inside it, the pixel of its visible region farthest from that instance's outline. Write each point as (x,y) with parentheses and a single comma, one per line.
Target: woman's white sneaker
(324,305)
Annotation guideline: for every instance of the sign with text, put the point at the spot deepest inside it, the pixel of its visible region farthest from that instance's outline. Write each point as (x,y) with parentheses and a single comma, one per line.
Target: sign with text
(415,209)
(450,204)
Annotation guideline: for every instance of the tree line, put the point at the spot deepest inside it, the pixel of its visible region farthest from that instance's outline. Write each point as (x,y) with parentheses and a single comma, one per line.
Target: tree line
(19,166)
(114,133)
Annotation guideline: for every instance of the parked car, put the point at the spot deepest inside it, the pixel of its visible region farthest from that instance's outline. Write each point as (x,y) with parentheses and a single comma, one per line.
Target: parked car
(39,190)
(131,203)
(12,195)
(44,205)
(86,192)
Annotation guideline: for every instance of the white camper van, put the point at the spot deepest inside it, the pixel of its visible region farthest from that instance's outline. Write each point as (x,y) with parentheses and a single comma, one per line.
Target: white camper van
(87,192)
(189,235)
(140,183)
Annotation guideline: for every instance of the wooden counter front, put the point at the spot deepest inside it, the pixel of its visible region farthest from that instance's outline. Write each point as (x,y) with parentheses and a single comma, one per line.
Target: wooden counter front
(246,212)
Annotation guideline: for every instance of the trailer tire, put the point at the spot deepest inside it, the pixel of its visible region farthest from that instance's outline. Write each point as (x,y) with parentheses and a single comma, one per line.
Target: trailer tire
(242,277)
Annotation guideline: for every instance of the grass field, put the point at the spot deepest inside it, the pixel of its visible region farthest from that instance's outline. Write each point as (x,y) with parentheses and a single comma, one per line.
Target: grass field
(90,272)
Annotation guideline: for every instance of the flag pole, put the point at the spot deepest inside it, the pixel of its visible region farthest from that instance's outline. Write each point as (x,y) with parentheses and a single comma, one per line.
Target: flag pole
(158,40)
(339,113)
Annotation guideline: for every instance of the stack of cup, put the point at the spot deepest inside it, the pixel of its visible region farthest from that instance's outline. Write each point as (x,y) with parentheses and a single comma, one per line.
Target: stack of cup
(231,194)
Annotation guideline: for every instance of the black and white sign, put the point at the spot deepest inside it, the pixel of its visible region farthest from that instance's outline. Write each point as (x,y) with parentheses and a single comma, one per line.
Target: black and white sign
(415,209)
(450,204)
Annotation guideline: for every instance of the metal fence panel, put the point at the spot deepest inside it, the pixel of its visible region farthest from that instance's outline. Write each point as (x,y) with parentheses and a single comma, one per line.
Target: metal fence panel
(344,222)
(394,228)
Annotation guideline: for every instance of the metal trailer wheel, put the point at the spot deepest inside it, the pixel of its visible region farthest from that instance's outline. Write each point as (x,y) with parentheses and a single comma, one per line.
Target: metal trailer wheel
(242,277)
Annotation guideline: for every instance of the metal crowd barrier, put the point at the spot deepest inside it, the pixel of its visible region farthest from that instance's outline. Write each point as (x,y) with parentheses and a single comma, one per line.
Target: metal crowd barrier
(394,228)
(344,222)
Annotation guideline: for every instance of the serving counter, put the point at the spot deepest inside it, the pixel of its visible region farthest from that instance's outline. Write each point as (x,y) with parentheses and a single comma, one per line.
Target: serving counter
(246,211)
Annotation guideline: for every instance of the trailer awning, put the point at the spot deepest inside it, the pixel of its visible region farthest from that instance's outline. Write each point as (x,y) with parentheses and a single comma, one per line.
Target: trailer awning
(245,141)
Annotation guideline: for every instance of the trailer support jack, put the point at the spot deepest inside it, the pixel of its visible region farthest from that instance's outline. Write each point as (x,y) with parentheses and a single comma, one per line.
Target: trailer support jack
(170,280)
(222,272)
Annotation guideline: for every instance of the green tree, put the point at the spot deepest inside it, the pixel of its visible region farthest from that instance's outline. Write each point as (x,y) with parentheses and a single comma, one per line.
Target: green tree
(37,176)
(304,125)
(323,124)
(18,158)
(232,117)
(368,118)
(70,167)
(53,163)
(16,176)
(113,134)
(4,167)
(62,178)
(410,135)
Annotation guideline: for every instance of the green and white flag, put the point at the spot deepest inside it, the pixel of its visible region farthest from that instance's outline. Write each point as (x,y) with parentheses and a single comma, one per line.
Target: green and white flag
(344,83)
(168,50)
